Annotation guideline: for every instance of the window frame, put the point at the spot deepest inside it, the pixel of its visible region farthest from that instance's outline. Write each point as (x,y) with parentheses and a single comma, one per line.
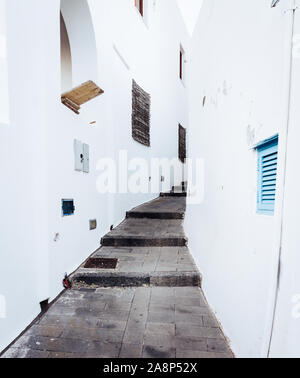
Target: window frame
(182,150)
(139,4)
(264,149)
(182,64)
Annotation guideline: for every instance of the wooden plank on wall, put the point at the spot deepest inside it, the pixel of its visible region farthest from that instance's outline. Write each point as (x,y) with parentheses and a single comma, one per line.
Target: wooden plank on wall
(80,95)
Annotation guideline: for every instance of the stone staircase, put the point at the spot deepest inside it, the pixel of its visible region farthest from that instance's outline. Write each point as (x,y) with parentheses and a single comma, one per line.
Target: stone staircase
(151,248)
(177,191)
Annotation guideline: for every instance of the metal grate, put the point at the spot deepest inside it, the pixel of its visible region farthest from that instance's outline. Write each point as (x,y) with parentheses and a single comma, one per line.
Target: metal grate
(101,263)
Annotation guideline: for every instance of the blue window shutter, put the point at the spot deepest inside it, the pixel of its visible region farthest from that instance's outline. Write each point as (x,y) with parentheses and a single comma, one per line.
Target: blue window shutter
(267,176)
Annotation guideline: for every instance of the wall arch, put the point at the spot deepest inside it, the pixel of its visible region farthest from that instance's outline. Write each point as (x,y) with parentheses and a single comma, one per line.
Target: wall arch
(82,57)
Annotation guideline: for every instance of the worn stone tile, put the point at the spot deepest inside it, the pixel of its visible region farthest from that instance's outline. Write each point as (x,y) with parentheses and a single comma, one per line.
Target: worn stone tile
(112,325)
(58,345)
(210,321)
(194,354)
(189,301)
(35,354)
(190,319)
(69,321)
(61,310)
(225,355)
(191,343)
(62,355)
(47,331)
(188,292)
(103,350)
(114,315)
(21,342)
(160,329)
(217,345)
(13,352)
(154,351)
(131,351)
(160,340)
(134,335)
(98,334)
(193,310)
(118,306)
(162,317)
(161,307)
(183,329)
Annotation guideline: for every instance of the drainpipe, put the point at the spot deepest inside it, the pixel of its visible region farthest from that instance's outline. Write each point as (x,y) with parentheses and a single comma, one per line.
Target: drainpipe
(291,10)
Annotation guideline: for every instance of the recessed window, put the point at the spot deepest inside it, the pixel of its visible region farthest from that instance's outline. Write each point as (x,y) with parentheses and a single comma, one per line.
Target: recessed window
(141,102)
(140,6)
(68,207)
(181,64)
(267,176)
(181,143)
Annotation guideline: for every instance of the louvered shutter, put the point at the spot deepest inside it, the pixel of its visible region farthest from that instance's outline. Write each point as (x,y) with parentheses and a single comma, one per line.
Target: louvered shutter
(140,115)
(267,176)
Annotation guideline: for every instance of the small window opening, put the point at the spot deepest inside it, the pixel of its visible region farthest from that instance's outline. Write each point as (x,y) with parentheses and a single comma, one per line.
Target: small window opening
(181,64)
(181,143)
(68,207)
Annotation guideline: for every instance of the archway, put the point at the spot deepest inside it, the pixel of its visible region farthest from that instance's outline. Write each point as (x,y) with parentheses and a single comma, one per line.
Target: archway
(78,44)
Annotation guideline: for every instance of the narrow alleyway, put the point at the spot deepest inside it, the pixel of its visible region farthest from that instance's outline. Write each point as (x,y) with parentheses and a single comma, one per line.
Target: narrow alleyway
(150,306)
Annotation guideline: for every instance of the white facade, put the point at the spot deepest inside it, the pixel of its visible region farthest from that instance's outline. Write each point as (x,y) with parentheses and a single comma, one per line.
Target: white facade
(111,44)
(239,96)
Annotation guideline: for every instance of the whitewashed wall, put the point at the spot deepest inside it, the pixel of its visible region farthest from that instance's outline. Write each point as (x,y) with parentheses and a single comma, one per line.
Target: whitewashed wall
(285,340)
(38,168)
(4,109)
(239,62)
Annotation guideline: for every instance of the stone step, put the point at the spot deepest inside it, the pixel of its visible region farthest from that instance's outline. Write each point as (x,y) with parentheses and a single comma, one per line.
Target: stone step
(160,208)
(172,194)
(141,266)
(146,232)
(154,215)
(163,279)
(131,241)
(178,189)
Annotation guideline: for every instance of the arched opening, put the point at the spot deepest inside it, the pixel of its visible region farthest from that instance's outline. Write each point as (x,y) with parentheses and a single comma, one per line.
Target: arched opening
(66,58)
(78,42)
(78,54)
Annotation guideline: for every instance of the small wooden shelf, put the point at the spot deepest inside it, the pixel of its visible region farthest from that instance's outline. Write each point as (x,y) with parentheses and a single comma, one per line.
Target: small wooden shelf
(80,95)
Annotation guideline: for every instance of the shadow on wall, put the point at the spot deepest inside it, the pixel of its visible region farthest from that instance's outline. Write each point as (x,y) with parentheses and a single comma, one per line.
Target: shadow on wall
(78,44)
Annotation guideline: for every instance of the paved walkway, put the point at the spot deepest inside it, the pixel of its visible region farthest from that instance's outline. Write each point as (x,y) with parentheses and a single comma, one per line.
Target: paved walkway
(150,306)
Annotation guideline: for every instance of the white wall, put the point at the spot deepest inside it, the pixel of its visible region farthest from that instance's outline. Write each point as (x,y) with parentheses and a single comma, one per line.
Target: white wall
(285,341)
(4,109)
(38,169)
(239,60)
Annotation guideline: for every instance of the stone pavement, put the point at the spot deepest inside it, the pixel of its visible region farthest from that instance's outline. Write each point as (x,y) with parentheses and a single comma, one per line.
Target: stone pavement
(139,322)
(150,306)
